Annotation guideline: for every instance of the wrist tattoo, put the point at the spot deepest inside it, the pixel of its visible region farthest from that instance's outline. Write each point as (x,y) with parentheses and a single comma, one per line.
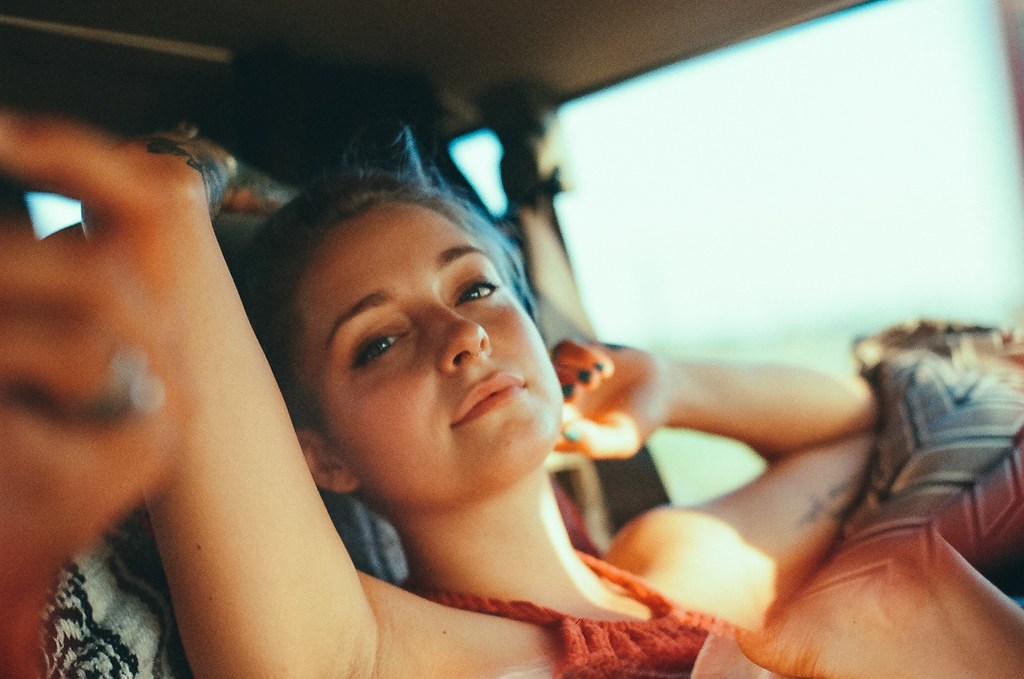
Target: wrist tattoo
(214,175)
(834,505)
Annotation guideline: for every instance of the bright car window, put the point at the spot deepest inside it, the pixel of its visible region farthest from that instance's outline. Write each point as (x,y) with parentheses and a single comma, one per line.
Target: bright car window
(785,195)
(477,156)
(835,177)
(51,213)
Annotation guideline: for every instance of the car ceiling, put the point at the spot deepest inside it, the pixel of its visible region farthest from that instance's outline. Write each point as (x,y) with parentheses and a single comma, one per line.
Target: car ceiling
(463,47)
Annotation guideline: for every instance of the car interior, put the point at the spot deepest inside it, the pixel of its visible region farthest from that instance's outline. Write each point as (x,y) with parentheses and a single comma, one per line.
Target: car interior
(287,87)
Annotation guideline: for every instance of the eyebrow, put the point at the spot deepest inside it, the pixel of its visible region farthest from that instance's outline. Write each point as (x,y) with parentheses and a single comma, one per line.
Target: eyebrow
(379,298)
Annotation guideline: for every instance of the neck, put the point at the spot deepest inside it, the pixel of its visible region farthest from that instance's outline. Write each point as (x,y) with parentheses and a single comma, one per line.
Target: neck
(510,546)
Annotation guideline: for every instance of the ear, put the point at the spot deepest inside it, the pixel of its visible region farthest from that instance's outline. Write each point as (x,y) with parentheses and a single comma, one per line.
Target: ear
(329,471)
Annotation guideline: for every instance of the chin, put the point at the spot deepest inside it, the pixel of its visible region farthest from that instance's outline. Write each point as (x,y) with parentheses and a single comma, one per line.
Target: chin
(523,443)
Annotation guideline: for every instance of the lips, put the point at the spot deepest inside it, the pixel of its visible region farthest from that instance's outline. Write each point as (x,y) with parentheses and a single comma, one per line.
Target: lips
(489,393)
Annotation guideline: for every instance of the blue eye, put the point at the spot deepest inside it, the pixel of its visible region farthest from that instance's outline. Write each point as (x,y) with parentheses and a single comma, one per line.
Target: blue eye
(374,349)
(477,290)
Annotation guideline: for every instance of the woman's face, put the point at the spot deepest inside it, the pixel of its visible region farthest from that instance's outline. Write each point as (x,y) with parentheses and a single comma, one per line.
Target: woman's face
(434,383)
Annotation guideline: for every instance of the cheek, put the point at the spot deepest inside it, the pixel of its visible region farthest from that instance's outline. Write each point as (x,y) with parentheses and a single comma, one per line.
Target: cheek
(550,397)
(377,427)
(551,386)
(521,343)
(534,351)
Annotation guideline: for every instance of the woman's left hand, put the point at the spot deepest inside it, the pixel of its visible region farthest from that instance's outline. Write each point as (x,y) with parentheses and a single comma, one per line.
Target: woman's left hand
(613,401)
(900,603)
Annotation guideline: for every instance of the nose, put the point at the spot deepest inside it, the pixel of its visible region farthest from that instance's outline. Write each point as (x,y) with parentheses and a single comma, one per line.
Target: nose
(466,340)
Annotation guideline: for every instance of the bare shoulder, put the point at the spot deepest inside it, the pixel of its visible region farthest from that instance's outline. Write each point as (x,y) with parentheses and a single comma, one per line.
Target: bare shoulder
(698,561)
(425,639)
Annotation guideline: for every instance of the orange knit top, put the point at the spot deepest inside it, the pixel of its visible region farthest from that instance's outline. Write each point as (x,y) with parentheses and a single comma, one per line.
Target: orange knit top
(662,647)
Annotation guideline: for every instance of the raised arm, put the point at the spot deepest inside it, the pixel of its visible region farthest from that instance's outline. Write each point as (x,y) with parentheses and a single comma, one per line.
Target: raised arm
(735,554)
(775,409)
(261,583)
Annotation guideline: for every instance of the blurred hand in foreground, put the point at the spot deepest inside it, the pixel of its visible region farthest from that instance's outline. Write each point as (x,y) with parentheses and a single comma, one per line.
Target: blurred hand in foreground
(91,393)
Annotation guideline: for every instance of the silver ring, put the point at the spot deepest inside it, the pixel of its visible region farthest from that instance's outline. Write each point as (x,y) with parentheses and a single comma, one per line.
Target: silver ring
(129,389)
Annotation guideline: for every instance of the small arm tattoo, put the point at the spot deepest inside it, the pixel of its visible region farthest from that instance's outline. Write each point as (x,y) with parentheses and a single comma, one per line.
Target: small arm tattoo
(215,174)
(834,504)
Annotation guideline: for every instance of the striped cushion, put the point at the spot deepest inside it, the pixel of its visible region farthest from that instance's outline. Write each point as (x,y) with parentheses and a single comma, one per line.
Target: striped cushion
(948,453)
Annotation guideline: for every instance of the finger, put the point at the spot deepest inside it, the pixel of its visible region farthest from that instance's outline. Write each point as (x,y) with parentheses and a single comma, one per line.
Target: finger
(576,365)
(570,413)
(63,157)
(73,234)
(68,329)
(569,442)
(62,484)
(588,379)
(128,193)
(60,271)
(583,436)
(615,437)
(61,320)
(571,386)
(583,357)
(14,215)
(32,268)
(52,371)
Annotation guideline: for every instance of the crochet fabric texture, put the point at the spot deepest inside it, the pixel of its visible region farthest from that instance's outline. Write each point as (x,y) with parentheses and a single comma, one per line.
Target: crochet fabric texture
(662,647)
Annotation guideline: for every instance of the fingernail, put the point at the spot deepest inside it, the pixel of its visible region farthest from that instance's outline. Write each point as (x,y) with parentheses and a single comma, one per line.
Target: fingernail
(584,376)
(568,389)
(571,435)
(599,367)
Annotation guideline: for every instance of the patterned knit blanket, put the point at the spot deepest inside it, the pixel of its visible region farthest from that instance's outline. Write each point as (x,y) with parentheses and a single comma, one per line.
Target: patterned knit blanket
(110,616)
(110,613)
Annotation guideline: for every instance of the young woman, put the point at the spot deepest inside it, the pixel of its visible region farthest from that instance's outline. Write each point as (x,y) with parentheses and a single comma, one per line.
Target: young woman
(415,375)
(399,335)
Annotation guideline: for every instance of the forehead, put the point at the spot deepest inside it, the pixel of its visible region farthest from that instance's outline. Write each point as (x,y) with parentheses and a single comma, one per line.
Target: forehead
(393,231)
(367,251)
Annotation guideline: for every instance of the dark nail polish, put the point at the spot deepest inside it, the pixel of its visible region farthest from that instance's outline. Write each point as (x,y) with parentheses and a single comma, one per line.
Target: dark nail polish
(584,376)
(568,389)
(599,367)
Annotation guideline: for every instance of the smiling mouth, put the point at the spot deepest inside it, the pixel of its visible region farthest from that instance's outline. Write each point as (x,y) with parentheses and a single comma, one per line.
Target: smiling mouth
(491,393)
